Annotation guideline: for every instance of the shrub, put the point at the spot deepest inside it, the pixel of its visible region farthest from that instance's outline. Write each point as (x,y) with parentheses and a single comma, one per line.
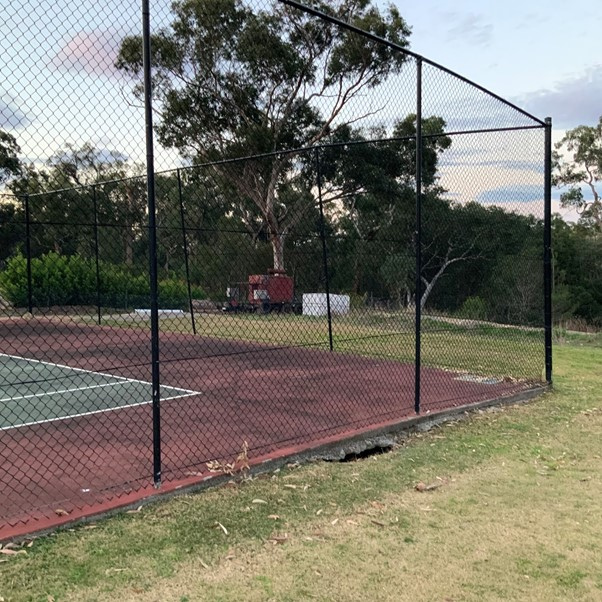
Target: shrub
(474,308)
(71,280)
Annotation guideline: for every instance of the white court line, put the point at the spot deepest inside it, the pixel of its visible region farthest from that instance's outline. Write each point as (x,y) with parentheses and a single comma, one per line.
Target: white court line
(60,418)
(131,380)
(121,379)
(61,391)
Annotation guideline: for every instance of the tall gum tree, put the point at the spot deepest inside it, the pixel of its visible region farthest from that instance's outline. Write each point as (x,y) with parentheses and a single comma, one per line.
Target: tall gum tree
(232,82)
(10,165)
(578,163)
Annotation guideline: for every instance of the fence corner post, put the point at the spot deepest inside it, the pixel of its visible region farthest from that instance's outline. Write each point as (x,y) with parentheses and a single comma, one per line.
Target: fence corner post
(547,252)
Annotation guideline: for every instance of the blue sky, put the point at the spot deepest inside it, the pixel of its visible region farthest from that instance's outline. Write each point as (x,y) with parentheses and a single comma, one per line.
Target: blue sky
(544,55)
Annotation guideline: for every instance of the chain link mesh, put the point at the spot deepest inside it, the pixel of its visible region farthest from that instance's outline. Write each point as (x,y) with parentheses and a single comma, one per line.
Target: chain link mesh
(287,243)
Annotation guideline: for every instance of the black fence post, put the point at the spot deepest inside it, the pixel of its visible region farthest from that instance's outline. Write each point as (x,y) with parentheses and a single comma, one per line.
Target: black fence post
(28,254)
(324,247)
(184,240)
(418,236)
(547,257)
(152,245)
(96,253)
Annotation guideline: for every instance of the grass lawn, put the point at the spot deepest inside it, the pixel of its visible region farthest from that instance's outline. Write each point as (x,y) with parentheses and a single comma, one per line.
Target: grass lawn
(481,349)
(509,509)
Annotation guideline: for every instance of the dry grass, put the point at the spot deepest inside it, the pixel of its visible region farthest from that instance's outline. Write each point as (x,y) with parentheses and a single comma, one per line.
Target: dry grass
(504,531)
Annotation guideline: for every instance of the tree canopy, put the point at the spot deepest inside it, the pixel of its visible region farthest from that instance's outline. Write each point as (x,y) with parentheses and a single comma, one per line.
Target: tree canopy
(230,82)
(10,165)
(578,162)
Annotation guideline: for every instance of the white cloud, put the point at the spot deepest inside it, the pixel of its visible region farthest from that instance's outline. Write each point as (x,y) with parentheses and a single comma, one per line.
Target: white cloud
(10,116)
(571,102)
(92,52)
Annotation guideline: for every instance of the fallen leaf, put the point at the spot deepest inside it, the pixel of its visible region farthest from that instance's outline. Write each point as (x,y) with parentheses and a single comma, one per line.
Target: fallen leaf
(114,570)
(10,546)
(135,511)
(273,516)
(9,552)
(351,522)
(193,473)
(279,539)
(222,528)
(423,487)
(204,564)
(319,512)
(335,521)
(61,512)
(289,486)
(50,598)
(258,501)
(377,522)
(88,527)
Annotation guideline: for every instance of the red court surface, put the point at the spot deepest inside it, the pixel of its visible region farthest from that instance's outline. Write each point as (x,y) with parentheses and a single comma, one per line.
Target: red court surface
(280,400)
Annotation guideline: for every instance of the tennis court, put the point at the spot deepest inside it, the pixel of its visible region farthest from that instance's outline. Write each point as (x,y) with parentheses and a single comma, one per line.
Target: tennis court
(76,424)
(35,392)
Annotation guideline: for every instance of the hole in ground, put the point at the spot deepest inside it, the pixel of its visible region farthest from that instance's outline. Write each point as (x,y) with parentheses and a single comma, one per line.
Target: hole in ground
(377,450)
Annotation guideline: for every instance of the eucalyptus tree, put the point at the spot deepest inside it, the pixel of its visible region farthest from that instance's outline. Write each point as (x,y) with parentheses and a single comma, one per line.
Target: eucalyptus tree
(578,160)
(229,81)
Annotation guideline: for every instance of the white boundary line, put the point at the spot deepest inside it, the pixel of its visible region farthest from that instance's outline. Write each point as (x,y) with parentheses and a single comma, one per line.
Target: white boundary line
(60,391)
(121,379)
(92,413)
(131,380)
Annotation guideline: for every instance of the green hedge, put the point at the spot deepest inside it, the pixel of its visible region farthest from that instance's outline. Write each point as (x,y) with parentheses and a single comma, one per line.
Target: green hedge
(71,280)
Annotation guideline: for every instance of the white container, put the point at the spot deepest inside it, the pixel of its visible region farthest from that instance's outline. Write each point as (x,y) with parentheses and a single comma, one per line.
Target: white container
(161,312)
(314,304)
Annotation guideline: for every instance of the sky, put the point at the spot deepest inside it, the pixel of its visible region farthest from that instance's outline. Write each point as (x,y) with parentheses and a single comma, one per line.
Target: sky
(58,84)
(543,55)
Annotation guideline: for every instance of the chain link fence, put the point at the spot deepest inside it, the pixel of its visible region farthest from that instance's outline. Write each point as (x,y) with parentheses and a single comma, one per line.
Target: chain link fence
(325,234)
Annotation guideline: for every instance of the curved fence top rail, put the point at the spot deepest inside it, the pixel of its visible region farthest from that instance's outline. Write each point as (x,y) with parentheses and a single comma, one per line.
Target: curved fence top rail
(345,25)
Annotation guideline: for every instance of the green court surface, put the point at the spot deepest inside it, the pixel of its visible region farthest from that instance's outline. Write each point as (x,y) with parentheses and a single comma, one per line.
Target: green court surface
(34,392)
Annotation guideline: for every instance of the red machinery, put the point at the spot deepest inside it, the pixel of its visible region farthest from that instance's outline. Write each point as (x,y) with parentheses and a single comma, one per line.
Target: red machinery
(273,291)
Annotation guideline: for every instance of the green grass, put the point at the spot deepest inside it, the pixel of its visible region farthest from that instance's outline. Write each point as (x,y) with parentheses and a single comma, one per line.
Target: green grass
(480,349)
(516,516)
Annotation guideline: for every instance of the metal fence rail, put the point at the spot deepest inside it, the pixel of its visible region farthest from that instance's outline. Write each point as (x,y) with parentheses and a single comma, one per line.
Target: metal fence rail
(234,230)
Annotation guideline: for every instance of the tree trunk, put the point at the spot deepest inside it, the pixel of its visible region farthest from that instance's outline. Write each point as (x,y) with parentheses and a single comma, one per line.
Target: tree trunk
(128,246)
(430,285)
(128,235)
(277,240)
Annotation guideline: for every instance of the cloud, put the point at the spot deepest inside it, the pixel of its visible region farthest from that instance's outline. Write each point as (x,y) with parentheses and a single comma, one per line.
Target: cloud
(470,28)
(92,52)
(10,116)
(504,195)
(523,193)
(513,164)
(572,102)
